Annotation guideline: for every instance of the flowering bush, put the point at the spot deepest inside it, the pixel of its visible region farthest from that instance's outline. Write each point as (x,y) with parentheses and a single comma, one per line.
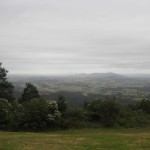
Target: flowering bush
(53,113)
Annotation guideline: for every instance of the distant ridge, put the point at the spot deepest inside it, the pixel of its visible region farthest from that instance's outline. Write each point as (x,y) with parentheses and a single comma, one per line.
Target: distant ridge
(108,74)
(100,75)
(138,75)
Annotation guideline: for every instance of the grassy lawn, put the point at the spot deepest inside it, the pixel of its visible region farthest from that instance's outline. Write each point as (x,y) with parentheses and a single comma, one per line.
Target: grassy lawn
(85,139)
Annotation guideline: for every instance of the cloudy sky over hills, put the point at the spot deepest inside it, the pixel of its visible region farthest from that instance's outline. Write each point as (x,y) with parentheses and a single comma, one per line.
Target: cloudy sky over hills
(74,36)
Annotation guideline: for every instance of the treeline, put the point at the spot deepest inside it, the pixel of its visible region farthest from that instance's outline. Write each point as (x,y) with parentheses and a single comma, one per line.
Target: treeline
(33,112)
(78,99)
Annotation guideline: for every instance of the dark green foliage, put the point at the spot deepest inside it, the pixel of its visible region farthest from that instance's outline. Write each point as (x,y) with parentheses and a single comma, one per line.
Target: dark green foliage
(36,111)
(40,114)
(4,112)
(74,99)
(106,112)
(132,118)
(110,112)
(16,116)
(11,114)
(93,111)
(75,113)
(29,93)
(73,118)
(145,106)
(62,104)
(6,88)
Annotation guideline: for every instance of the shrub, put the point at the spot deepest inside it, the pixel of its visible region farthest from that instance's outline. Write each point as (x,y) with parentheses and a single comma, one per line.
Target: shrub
(106,112)
(4,112)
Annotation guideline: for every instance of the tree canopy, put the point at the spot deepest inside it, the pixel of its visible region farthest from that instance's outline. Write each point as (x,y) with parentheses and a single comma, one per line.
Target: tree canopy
(6,88)
(29,92)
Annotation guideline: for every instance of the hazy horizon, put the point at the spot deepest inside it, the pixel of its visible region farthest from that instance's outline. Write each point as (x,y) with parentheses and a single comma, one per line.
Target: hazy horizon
(71,37)
(82,73)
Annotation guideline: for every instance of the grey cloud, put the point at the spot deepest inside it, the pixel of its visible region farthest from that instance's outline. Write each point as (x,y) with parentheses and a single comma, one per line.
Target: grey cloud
(75,36)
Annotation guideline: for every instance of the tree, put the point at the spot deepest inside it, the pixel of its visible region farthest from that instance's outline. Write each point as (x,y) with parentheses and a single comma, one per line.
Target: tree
(53,112)
(104,111)
(6,88)
(4,112)
(16,116)
(110,112)
(62,104)
(93,110)
(145,106)
(29,93)
(36,113)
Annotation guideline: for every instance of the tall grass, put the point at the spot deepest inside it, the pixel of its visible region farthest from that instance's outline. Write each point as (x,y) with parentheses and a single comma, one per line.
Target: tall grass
(83,139)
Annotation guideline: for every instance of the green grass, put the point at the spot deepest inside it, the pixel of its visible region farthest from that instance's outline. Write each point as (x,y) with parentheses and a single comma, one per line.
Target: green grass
(85,139)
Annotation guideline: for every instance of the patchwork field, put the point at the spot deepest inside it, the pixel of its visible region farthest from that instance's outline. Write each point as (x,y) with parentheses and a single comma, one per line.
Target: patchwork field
(85,139)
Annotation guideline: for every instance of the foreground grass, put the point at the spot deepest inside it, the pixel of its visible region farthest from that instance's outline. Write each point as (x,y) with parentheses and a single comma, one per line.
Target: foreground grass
(85,139)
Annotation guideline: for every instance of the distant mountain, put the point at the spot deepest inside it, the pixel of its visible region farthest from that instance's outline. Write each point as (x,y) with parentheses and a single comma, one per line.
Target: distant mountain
(79,87)
(100,75)
(146,76)
(79,81)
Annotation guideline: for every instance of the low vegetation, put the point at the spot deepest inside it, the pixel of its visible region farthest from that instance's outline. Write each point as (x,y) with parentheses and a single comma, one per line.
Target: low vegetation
(86,125)
(33,112)
(85,139)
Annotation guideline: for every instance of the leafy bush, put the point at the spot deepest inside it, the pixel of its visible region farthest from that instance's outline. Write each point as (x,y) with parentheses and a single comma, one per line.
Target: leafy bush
(29,92)
(6,88)
(16,116)
(106,112)
(4,112)
(73,118)
(145,106)
(53,113)
(36,112)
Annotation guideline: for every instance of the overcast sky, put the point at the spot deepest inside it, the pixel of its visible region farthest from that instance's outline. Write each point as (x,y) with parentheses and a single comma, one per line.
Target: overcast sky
(75,36)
